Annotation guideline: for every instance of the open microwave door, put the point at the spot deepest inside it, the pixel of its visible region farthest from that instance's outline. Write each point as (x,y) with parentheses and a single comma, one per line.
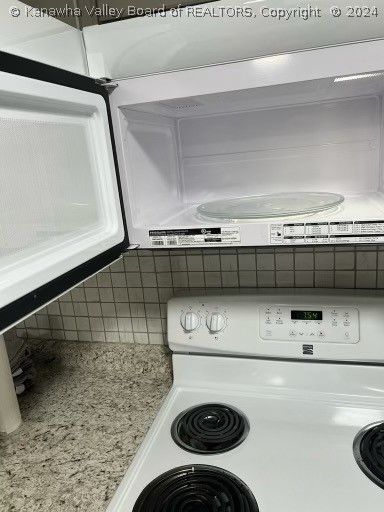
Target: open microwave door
(61,210)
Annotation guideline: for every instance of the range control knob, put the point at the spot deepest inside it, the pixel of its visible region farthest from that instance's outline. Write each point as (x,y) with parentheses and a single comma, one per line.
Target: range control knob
(215,322)
(189,321)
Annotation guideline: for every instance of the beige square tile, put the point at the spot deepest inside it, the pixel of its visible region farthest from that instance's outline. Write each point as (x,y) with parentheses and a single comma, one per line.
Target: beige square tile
(178,263)
(140,337)
(366,260)
(228,262)
(345,260)
(196,279)
(45,334)
(308,248)
(92,294)
(193,251)
(91,282)
(285,278)
(324,261)
(124,324)
(104,280)
(304,261)
(33,333)
(118,279)
(152,310)
(154,325)
(108,309)
(164,279)
(67,309)
(324,279)
(265,278)
(110,324)
(78,295)
(366,279)
(112,337)
(120,294)
(180,279)
(211,262)
(247,278)
(31,322)
(247,261)
(69,323)
(126,337)
(56,322)
(123,309)
(195,263)
(284,261)
(138,310)
(96,324)
(380,279)
(118,266)
(147,264)
(133,279)
(80,309)
(139,325)
(135,294)
(58,335)
(53,308)
(230,279)
(71,335)
(162,264)
(156,339)
(212,279)
(106,294)
(42,321)
(98,336)
(304,278)
(165,294)
(131,263)
(149,279)
(265,261)
(151,295)
(82,324)
(94,309)
(66,297)
(380,260)
(85,335)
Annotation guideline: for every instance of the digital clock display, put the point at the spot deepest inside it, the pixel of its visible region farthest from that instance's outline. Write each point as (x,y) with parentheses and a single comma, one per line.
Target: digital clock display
(306,315)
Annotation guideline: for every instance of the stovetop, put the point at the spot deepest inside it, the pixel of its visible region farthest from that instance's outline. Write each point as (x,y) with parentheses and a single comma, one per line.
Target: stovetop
(277,405)
(298,453)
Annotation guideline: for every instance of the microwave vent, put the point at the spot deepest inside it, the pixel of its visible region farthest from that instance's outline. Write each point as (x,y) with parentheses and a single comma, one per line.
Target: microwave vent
(182,103)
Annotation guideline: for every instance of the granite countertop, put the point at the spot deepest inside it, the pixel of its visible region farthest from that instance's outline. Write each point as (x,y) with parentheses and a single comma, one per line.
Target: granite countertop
(83,421)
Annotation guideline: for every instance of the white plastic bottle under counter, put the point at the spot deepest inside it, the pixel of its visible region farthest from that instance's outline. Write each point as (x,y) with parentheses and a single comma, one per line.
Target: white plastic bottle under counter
(10,418)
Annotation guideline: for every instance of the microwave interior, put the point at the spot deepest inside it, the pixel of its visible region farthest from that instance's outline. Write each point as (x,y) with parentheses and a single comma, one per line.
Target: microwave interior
(313,136)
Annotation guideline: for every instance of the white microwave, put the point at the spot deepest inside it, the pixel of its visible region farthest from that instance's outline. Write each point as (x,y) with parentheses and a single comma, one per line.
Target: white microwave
(92,167)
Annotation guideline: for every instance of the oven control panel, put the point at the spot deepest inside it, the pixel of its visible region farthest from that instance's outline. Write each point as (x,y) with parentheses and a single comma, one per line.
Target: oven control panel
(321,324)
(309,324)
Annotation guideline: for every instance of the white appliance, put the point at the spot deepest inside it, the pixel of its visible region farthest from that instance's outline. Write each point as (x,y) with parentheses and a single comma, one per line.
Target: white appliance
(225,31)
(277,404)
(299,121)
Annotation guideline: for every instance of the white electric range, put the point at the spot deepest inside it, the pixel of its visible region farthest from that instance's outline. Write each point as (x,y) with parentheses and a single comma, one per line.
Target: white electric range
(277,405)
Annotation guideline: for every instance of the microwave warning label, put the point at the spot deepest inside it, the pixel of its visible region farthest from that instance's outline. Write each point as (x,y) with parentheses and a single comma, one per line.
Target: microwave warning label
(202,237)
(342,232)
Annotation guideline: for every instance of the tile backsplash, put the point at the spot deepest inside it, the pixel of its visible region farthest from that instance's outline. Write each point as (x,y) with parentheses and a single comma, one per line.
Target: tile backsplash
(126,302)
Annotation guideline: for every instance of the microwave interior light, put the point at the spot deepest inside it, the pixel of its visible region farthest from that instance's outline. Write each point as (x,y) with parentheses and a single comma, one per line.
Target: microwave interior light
(358,77)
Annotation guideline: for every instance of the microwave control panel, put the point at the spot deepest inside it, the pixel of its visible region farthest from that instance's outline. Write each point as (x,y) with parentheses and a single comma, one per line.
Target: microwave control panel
(307,324)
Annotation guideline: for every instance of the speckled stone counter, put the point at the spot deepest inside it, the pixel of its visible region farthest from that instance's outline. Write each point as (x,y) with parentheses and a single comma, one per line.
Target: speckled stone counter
(82,424)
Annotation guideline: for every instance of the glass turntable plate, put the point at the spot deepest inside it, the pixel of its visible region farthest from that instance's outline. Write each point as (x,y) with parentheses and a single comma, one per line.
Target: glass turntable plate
(270,205)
